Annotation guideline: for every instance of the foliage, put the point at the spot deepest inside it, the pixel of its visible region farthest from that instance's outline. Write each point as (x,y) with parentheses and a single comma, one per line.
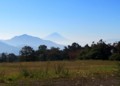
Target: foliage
(115,56)
(4,57)
(27,54)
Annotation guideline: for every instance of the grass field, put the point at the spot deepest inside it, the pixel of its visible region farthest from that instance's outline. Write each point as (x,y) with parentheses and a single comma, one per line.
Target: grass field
(60,73)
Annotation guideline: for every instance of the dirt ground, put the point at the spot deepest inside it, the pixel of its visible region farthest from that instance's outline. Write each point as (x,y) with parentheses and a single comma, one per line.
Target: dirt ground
(110,81)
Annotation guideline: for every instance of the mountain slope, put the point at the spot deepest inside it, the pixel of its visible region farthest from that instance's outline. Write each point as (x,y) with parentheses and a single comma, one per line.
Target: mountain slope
(8,48)
(22,40)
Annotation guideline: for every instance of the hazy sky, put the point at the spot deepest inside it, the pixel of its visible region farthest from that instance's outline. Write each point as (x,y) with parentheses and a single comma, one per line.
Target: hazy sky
(77,20)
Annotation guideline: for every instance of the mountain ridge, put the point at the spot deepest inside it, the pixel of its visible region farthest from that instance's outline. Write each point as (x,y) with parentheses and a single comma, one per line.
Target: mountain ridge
(14,44)
(30,41)
(5,48)
(58,38)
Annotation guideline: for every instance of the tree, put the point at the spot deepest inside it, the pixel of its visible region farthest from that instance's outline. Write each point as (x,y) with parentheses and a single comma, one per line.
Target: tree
(42,48)
(117,47)
(73,50)
(42,53)
(74,46)
(3,57)
(54,54)
(115,56)
(27,54)
(101,50)
(84,54)
(65,53)
(12,57)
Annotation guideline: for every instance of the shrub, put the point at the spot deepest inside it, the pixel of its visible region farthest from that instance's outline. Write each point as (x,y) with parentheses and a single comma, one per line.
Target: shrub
(25,73)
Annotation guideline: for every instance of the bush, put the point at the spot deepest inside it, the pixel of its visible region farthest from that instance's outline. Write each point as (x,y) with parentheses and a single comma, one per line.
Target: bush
(25,73)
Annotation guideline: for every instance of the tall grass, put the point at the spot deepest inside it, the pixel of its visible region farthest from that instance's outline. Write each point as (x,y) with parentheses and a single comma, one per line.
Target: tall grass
(12,72)
(118,72)
(118,69)
(2,77)
(61,71)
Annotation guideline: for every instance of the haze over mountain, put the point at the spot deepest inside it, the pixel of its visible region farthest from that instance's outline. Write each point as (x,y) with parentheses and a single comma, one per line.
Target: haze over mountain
(8,48)
(22,40)
(58,38)
(112,40)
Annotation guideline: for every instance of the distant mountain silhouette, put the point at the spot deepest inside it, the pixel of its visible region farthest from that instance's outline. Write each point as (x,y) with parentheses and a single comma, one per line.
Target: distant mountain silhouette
(8,48)
(22,40)
(56,37)
(112,40)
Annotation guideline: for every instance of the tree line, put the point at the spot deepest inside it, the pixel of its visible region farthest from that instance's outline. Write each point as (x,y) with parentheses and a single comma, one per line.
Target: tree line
(96,51)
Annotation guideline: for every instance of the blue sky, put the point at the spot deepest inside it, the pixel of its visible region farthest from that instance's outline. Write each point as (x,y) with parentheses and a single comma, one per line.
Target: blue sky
(82,21)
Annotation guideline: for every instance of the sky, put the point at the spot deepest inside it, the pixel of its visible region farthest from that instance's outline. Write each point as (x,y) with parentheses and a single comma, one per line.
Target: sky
(82,21)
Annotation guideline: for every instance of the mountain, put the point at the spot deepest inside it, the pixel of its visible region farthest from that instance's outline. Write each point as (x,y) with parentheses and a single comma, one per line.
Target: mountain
(8,48)
(56,37)
(22,40)
(112,40)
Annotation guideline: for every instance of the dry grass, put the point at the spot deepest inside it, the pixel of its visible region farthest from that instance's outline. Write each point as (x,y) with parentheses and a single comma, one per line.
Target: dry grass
(45,71)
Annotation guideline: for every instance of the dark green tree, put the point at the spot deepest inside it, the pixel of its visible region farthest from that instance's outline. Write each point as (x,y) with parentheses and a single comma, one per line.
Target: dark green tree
(101,50)
(42,53)
(12,57)
(54,54)
(27,54)
(72,51)
(3,57)
(117,47)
